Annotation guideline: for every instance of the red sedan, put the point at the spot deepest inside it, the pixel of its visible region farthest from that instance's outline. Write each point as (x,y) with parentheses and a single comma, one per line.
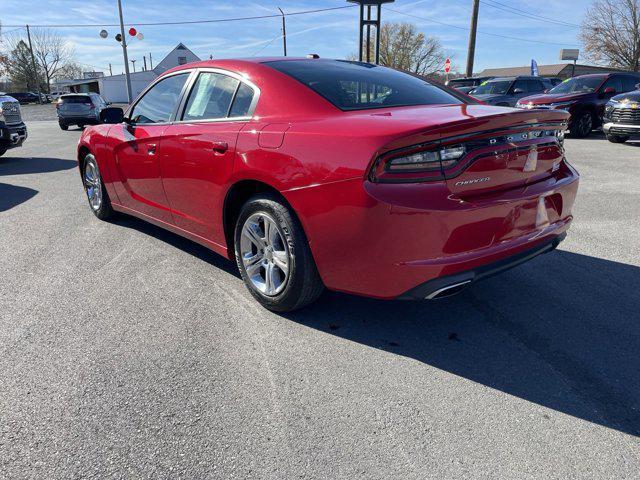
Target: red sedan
(317,173)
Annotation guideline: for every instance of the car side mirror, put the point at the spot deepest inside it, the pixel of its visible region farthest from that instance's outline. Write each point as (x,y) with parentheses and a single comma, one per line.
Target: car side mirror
(518,90)
(609,91)
(112,115)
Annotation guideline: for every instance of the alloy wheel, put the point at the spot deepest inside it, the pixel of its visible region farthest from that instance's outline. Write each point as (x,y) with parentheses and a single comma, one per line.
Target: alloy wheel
(265,254)
(586,124)
(93,185)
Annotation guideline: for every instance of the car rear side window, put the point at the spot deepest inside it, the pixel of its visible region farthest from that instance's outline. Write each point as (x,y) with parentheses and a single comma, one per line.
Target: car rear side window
(159,103)
(210,97)
(242,101)
(356,85)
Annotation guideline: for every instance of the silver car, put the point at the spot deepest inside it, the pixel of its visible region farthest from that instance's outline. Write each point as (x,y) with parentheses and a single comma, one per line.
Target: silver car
(79,109)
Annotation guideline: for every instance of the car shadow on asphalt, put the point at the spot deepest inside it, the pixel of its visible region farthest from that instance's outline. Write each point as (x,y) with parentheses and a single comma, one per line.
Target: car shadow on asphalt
(184,244)
(28,165)
(13,195)
(561,331)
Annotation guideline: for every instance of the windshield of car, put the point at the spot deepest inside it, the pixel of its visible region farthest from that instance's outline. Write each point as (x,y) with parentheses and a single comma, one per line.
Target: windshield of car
(578,85)
(498,87)
(357,86)
(75,99)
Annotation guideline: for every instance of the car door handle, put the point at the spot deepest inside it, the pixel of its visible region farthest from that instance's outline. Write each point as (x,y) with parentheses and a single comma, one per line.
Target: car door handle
(151,149)
(219,147)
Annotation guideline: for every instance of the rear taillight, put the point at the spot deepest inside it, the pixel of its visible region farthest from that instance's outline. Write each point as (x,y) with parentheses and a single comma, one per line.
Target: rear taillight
(437,161)
(417,165)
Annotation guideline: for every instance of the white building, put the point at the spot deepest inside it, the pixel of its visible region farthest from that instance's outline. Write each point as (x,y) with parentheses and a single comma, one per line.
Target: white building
(114,88)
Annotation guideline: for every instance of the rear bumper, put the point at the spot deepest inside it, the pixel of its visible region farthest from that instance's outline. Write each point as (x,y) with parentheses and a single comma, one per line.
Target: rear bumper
(390,241)
(449,284)
(621,129)
(12,136)
(88,120)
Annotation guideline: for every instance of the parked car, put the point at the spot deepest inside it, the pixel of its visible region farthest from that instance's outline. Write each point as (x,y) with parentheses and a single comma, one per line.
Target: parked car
(25,97)
(465,85)
(56,95)
(506,91)
(584,97)
(79,109)
(622,117)
(360,179)
(13,131)
(44,97)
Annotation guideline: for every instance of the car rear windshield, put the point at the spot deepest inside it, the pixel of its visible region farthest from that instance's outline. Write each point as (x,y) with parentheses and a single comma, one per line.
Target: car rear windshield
(358,86)
(578,85)
(493,87)
(75,99)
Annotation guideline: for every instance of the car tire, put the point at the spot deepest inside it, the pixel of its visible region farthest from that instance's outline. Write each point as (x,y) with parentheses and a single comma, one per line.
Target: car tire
(97,195)
(583,124)
(273,255)
(64,126)
(617,138)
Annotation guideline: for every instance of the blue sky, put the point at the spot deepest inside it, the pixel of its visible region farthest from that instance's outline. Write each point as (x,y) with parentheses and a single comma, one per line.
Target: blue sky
(330,34)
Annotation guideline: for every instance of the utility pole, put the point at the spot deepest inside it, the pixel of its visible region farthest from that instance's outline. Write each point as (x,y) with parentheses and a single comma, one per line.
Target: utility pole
(133,62)
(284,32)
(472,38)
(33,64)
(150,62)
(144,59)
(124,52)
(110,70)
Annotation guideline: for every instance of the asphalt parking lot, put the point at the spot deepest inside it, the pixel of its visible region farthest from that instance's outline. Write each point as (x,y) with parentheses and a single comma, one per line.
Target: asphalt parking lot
(128,352)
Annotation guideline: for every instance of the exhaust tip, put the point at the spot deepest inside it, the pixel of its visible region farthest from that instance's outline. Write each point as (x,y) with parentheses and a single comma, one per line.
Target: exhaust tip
(449,290)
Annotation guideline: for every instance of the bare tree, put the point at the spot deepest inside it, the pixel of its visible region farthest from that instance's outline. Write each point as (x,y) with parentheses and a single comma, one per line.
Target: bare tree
(52,54)
(404,48)
(611,33)
(70,70)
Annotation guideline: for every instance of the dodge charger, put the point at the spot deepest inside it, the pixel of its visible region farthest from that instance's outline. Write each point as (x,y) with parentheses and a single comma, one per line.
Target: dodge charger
(315,173)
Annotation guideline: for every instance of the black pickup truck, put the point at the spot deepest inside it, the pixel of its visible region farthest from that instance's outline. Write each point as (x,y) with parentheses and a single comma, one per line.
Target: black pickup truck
(13,131)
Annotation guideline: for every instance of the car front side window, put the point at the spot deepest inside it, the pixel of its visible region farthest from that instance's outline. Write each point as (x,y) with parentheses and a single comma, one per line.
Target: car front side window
(520,85)
(158,104)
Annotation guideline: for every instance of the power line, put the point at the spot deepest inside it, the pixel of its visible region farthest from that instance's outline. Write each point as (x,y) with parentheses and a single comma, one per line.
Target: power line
(10,31)
(522,13)
(186,22)
(427,19)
